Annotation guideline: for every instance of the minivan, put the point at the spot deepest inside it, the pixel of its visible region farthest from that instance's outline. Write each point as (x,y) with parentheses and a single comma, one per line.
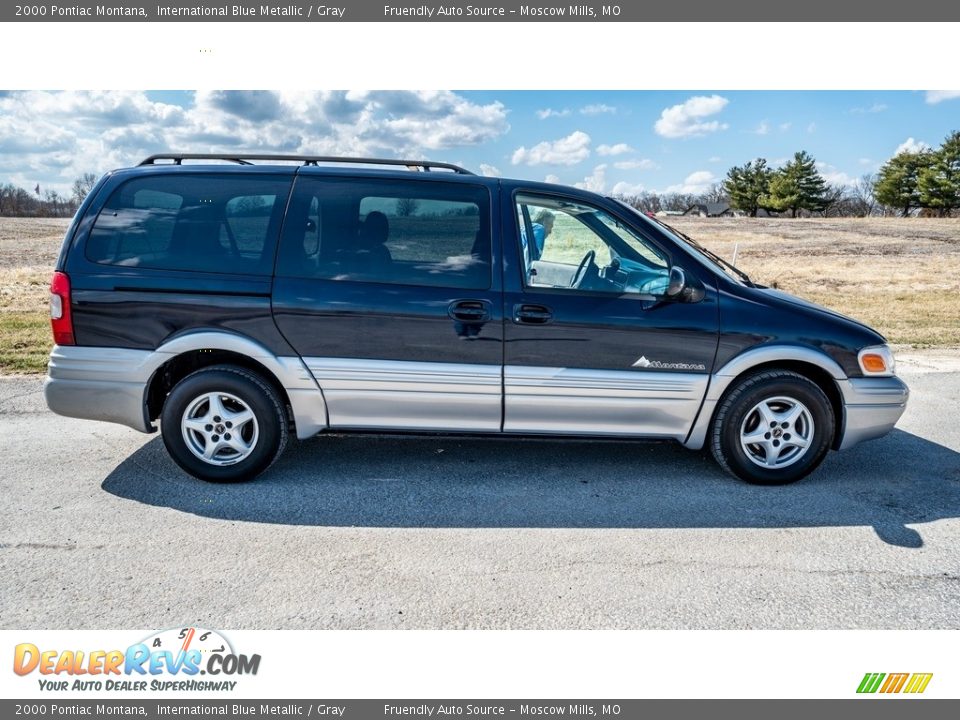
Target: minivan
(236,300)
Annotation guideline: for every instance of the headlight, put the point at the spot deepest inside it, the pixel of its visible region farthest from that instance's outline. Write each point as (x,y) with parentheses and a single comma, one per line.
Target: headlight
(877,361)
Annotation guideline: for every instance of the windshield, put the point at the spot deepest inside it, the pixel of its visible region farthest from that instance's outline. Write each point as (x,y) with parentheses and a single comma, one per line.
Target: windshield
(707,256)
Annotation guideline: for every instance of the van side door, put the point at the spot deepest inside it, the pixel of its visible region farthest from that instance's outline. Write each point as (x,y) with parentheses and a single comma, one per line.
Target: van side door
(385,287)
(592,345)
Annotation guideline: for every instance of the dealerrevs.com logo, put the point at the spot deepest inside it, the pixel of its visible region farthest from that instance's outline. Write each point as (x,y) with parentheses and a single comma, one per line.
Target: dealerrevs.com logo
(909,683)
(167,660)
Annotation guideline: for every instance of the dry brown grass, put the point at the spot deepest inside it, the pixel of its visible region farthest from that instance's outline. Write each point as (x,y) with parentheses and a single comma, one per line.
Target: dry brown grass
(28,252)
(902,276)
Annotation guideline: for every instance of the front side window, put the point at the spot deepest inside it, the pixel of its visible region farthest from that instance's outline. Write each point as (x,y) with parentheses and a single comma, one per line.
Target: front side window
(572,245)
(396,232)
(204,223)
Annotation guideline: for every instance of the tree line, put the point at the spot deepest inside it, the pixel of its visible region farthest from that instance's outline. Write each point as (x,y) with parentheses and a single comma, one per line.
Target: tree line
(920,182)
(925,182)
(17,202)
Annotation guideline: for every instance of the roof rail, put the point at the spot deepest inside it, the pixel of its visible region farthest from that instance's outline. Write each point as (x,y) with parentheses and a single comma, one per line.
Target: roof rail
(244,159)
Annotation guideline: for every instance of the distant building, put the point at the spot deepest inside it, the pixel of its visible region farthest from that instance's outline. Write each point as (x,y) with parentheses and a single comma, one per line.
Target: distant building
(712,209)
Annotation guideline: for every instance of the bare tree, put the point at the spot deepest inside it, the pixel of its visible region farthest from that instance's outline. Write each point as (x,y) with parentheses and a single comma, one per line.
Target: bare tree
(406,207)
(82,187)
(863,201)
(832,200)
(716,193)
(6,198)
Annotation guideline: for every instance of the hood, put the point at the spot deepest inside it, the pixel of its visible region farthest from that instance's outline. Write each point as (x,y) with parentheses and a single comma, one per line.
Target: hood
(800,302)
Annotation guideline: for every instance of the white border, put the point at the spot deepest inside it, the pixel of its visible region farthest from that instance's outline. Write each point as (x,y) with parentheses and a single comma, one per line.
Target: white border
(541,664)
(465,56)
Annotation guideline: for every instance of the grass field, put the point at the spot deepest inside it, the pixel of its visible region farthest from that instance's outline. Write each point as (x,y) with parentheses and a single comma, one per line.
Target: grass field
(902,276)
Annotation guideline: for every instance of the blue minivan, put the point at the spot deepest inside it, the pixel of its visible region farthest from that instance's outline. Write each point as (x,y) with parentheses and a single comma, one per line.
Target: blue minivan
(236,300)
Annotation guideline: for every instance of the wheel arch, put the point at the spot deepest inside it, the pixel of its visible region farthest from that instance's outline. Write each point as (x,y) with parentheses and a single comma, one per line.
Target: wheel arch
(814,365)
(187,353)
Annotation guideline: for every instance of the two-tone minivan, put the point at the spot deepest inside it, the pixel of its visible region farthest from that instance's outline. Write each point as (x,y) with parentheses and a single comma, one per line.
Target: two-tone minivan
(234,300)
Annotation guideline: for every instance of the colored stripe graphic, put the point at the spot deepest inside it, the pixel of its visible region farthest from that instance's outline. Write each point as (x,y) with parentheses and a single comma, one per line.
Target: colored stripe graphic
(894,682)
(918,683)
(870,682)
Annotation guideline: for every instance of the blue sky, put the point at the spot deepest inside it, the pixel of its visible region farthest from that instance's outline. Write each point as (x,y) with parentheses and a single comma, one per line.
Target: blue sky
(610,141)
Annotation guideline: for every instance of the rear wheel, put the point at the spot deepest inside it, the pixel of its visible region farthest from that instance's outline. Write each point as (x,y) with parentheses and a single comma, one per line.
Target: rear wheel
(772,428)
(224,424)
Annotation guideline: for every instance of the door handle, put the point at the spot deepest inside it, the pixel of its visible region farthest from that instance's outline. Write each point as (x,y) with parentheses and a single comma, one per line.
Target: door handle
(470,311)
(532,314)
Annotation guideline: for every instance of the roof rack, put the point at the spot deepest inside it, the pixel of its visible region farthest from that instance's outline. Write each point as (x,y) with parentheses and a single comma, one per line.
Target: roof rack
(244,159)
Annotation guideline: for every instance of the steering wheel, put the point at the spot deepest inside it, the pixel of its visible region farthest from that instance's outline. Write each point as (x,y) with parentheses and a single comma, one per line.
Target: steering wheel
(582,269)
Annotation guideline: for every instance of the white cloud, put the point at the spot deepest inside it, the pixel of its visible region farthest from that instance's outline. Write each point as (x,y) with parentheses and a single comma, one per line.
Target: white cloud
(911,146)
(687,119)
(865,161)
(875,108)
(715,159)
(595,181)
(572,149)
(56,136)
(618,149)
(551,178)
(489,170)
(695,183)
(627,189)
(550,112)
(762,129)
(785,126)
(640,164)
(938,96)
(598,109)
(834,176)
(812,128)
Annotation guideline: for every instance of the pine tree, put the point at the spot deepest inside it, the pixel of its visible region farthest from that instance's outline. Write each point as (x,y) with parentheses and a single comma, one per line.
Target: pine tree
(939,182)
(747,184)
(897,183)
(797,186)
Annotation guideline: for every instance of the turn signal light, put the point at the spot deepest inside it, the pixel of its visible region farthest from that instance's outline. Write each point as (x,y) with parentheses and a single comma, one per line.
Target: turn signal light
(876,360)
(873,363)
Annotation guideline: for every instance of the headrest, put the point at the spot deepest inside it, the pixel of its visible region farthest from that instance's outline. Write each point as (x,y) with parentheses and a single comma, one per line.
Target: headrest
(375,229)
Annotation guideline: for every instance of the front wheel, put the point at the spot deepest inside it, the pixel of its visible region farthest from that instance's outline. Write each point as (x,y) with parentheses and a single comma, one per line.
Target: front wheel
(772,428)
(224,424)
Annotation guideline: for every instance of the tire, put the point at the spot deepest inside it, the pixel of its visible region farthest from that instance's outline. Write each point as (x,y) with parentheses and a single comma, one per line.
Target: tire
(224,424)
(788,417)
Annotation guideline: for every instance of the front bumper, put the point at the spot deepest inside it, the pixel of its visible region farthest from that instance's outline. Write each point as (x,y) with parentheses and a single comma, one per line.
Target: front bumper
(871,407)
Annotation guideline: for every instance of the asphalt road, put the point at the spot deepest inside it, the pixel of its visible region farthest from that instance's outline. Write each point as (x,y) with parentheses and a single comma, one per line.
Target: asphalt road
(99,529)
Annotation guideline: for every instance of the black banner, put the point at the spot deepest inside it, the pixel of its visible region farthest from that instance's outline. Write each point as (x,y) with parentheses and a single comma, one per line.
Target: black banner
(458,11)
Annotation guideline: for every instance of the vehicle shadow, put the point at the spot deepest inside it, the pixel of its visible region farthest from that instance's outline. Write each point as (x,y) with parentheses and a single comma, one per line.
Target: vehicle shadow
(395,482)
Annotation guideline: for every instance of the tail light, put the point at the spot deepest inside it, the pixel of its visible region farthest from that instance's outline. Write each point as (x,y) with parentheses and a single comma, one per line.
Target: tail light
(60,318)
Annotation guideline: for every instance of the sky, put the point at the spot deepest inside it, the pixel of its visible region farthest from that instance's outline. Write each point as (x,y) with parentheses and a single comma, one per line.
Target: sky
(620,142)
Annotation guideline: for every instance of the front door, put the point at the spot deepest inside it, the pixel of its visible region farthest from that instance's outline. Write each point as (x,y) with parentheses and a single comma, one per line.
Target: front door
(384,287)
(592,344)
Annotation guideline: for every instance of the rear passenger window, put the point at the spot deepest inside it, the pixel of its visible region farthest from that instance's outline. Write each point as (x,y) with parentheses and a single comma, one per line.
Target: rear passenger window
(411,233)
(204,223)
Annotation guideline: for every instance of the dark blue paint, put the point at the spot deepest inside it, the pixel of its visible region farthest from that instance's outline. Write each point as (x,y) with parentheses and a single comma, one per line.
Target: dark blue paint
(132,307)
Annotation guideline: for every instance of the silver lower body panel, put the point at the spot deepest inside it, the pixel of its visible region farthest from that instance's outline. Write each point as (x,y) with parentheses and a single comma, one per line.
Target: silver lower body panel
(601,402)
(400,395)
(871,408)
(104,384)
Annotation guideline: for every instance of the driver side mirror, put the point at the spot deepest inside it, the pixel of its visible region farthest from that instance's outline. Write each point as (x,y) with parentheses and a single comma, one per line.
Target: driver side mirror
(677,282)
